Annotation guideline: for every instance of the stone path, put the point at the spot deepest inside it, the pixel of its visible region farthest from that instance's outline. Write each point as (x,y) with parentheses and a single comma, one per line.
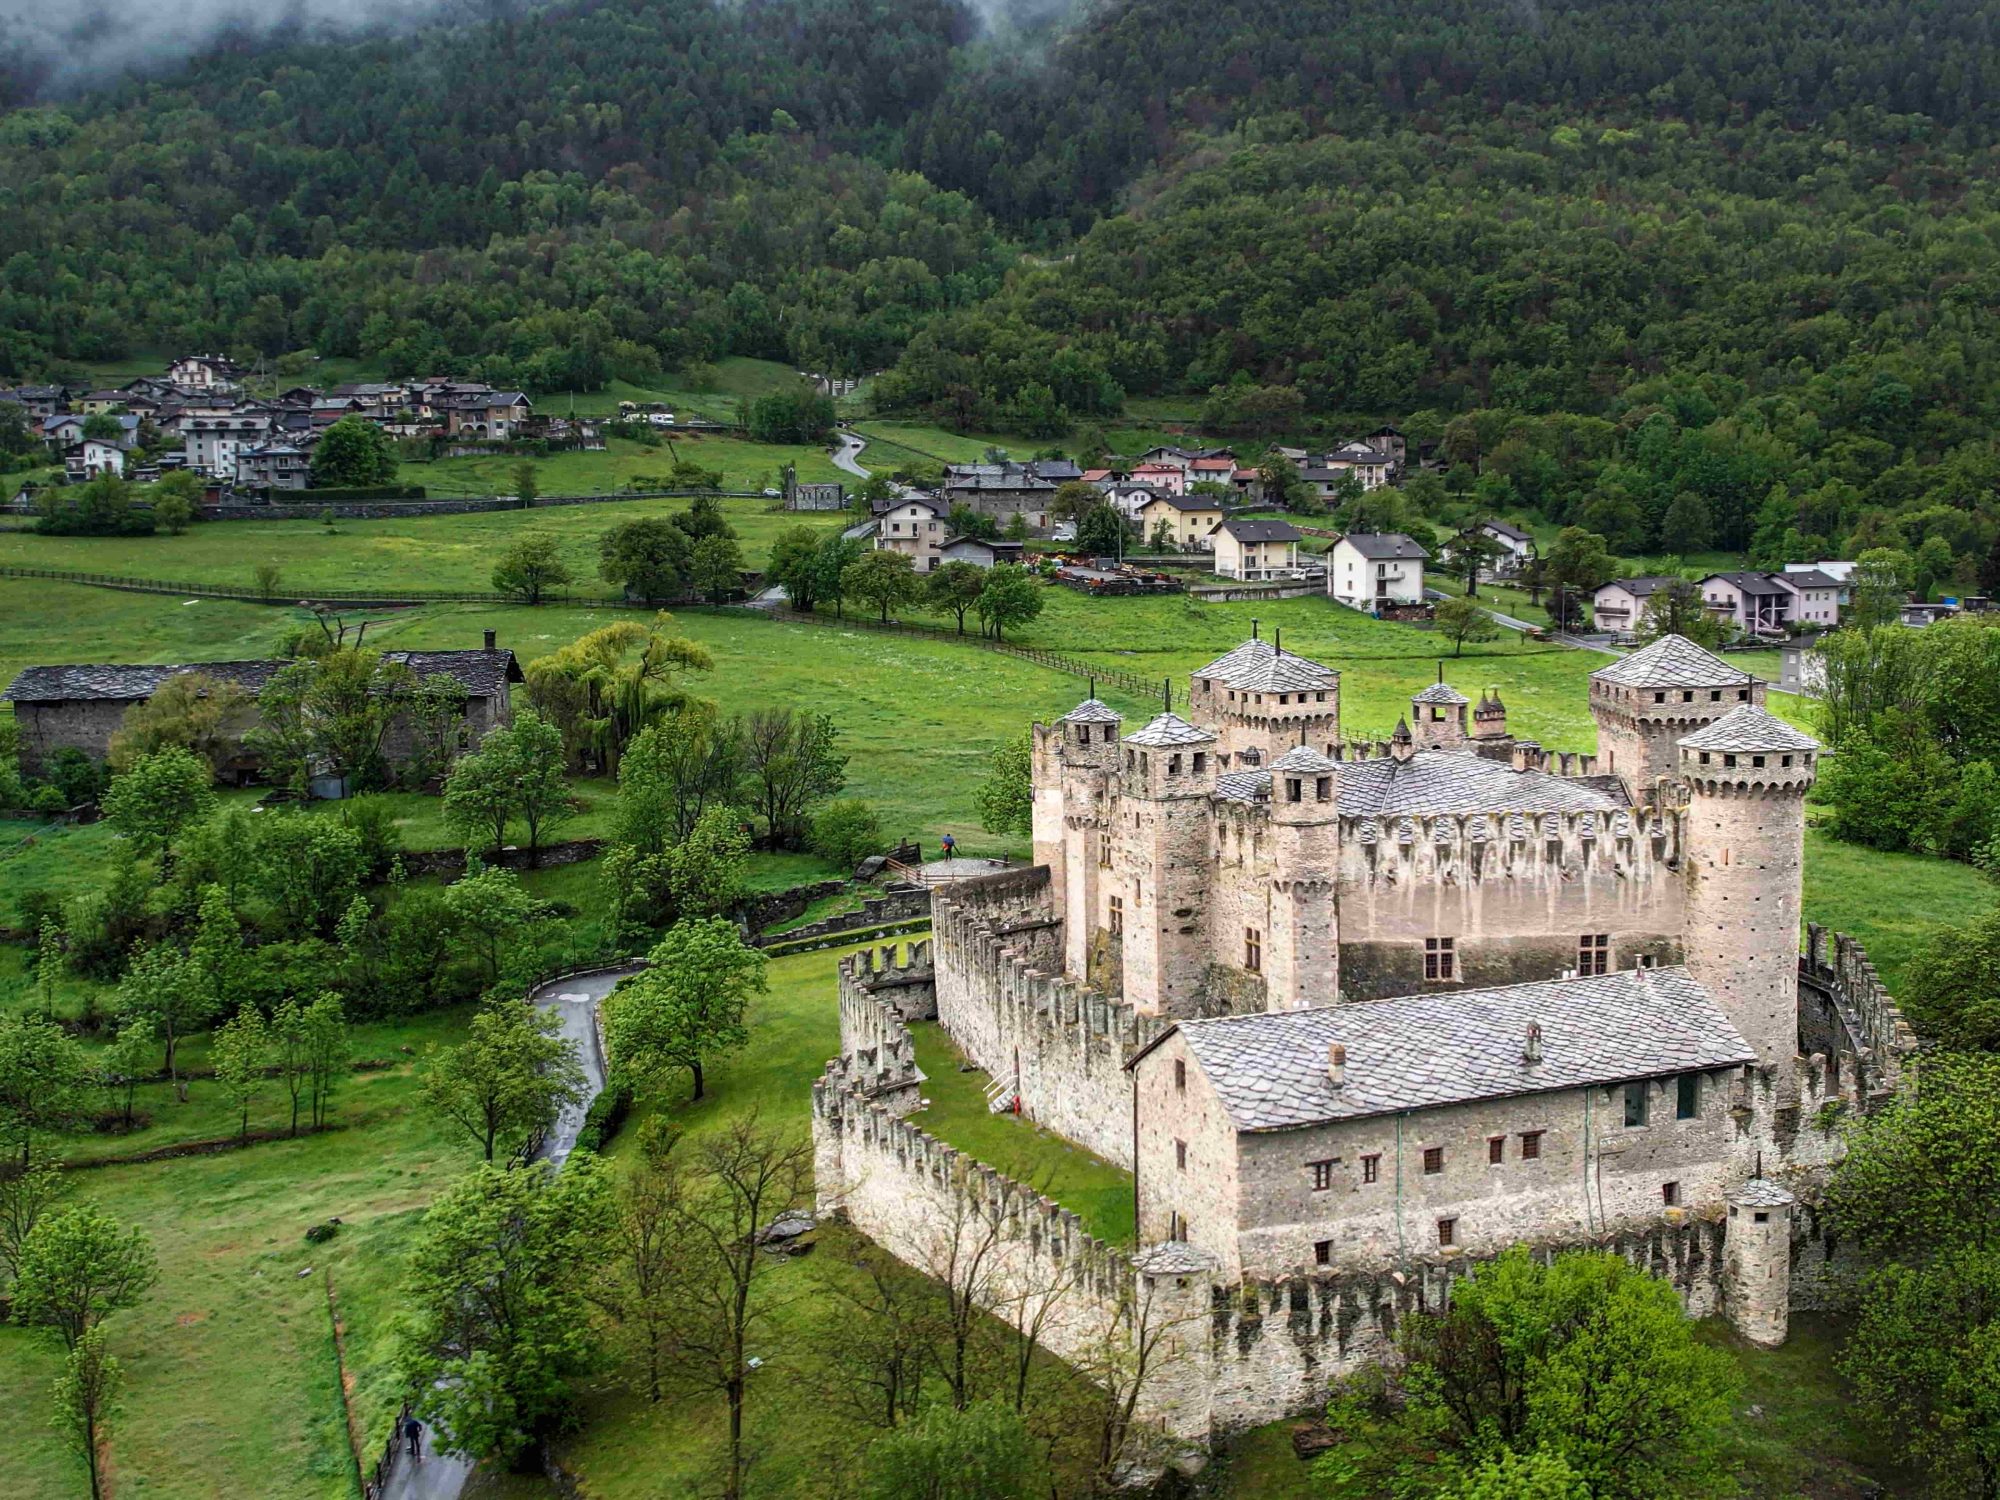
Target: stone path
(441,1476)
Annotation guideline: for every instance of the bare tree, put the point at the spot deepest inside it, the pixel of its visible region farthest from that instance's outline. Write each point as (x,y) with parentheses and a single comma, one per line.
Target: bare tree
(1139,1346)
(883,1349)
(1041,1293)
(959,1246)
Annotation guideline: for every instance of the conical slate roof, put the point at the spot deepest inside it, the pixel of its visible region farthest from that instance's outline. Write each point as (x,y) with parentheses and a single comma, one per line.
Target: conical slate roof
(1091,711)
(1260,667)
(1442,693)
(1169,729)
(1748,727)
(1402,734)
(1672,661)
(1304,759)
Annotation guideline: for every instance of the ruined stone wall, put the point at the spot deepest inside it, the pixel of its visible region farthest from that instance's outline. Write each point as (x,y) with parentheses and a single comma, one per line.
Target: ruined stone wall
(1515,891)
(1002,997)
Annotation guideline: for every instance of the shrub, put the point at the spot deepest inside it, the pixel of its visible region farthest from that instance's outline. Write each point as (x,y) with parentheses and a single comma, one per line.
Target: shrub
(319,1234)
(846,831)
(606,1115)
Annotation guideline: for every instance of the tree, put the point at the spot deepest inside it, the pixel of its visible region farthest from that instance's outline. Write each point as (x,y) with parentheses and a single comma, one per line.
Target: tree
(1473,555)
(649,558)
(1881,586)
(122,1064)
(174,498)
(846,831)
(716,567)
(981,1453)
(267,580)
(1578,563)
(953,588)
(1011,597)
(526,484)
(686,1007)
(160,795)
(509,1080)
(26,1197)
(238,1056)
(1677,608)
(44,1080)
(353,454)
(516,774)
(488,903)
(479,792)
(604,687)
(885,579)
(161,992)
(705,871)
(1688,525)
(1006,798)
(677,767)
(330,711)
(291,1053)
(327,1050)
(189,711)
(309,868)
(799,414)
(1100,531)
(497,1292)
(86,1398)
(794,565)
(829,574)
(1460,620)
(77,1267)
(792,764)
(531,568)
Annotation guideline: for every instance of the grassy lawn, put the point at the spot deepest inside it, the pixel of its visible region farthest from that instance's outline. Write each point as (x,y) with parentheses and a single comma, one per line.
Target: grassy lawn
(419,552)
(1093,1189)
(1889,901)
(624,464)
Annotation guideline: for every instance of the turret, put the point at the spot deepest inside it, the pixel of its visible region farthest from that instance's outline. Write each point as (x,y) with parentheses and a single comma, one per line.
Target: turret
(1073,819)
(1489,718)
(1260,699)
(1168,774)
(1757,1261)
(1438,714)
(1747,776)
(1301,951)
(1645,702)
(1401,745)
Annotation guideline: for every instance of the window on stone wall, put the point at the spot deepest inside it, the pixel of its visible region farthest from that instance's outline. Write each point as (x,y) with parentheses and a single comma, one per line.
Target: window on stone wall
(1323,1252)
(1635,1104)
(1371,1169)
(1433,1160)
(1670,1194)
(1180,1155)
(1447,1231)
(1323,1173)
(1180,1075)
(1440,958)
(1201,762)
(1496,1149)
(1115,917)
(1104,850)
(1593,953)
(1531,1145)
(1687,1100)
(1253,950)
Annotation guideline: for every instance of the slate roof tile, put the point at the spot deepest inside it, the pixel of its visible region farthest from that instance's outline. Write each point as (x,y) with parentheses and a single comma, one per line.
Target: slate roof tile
(1260,667)
(1671,661)
(1748,727)
(1167,730)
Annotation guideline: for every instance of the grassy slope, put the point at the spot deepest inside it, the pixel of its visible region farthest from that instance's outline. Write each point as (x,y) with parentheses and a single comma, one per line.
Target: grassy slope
(624,464)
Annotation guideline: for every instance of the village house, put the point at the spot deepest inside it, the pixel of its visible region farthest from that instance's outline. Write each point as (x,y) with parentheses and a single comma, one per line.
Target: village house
(496,416)
(1376,570)
(1367,464)
(1186,521)
(915,526)
(1766,603)
(273,466)
(80,707)
(38,401)
(1620,606)
(1002,491)
(1168,479)
(205,372)
(1841,573)
(1388,439)
(212,442)
(91,459)
(1516,547)
(1129,497)
(1253,550)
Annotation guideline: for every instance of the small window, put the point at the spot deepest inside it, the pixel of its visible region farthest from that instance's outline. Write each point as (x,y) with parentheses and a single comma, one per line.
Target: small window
(1761,1217)
(1593,953)
(1659,697)
(1447,1231)
(1531,1145)
(1687,1100)
(1180,1155)
(1635,1104)
(1743,695)
(1253,950)
(1173,765)
(1785,761)
(1323,1173)
(1116,917)
(1729,760)
(1371,1169)
(1180,1075)
(1757,762)
(1295,789)
(1687,697)
(1496,1149)
(1323,789)
(1201,762)
(1440,958)
(1670,1194)
(1715,695)
(1323,1252)
(1433,1160)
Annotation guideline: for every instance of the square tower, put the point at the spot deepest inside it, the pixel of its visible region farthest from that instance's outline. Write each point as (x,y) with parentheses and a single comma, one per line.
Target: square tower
(1259,700)
(1644,703)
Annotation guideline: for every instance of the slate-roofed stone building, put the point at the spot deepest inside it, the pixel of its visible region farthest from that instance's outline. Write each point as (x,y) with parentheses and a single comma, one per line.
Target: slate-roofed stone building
(81,706)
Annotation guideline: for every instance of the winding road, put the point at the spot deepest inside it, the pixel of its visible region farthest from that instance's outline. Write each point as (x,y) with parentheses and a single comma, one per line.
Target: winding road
(441,1476)
(846,454)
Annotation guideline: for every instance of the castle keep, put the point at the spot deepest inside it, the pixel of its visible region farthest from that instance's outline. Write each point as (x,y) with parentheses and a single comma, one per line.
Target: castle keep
(1357,1015)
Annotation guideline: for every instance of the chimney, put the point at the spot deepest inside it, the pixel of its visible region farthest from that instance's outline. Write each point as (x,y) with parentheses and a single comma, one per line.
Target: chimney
(1277,640)
(1336,1065)
(492,640)
(1532,1051)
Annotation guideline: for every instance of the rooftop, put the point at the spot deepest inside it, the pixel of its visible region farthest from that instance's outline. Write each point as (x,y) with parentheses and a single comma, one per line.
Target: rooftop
(1305,759)
(1260,667)
(480,673)
(1091,711)
(1261,531)
(1431,782)
(1423,1051)
(1748,727)
(1381,545)
(1168,730)
(1441,693)
(1671,661)
(1751,583)
(1643,587)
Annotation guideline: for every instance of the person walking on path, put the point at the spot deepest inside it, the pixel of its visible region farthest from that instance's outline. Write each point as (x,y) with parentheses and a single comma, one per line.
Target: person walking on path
(413,1432)
(949,846)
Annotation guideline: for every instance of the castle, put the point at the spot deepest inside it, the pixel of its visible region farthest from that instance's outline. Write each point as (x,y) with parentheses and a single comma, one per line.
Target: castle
(1355,1013)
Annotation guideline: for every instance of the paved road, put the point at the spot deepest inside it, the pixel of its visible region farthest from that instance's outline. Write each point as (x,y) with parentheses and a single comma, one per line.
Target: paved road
(441,1476)
(846,452)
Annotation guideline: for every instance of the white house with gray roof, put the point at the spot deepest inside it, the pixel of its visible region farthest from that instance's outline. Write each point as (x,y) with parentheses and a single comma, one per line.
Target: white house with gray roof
(1376,570)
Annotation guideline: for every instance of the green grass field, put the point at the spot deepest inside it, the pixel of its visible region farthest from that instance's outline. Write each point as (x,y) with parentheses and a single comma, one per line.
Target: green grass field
(624,464)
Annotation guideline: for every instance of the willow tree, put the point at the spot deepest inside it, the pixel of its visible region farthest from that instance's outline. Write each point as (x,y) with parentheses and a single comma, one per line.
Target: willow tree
(603,688)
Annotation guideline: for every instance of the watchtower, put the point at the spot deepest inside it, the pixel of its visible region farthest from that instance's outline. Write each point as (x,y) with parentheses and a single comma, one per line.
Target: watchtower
(1077,762)
(1489,717)
(1744,860)
(1437,716)
(1259,700)
(1757,1261)
(1167,777)
(1645,702)
(1302,950)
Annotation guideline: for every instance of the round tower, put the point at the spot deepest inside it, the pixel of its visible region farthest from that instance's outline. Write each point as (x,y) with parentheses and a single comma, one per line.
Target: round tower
(1437,716)
(1076,821)
(1645,702)
(1757,1261)
(1744,857)
(1167,776)
(1302,948)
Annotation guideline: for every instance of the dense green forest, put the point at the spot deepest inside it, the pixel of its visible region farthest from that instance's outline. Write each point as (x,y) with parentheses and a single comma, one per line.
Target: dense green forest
(1689,274)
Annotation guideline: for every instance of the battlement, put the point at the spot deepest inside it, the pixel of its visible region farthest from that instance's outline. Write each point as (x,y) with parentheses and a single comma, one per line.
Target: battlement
(877,1060)
(1860,1023)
